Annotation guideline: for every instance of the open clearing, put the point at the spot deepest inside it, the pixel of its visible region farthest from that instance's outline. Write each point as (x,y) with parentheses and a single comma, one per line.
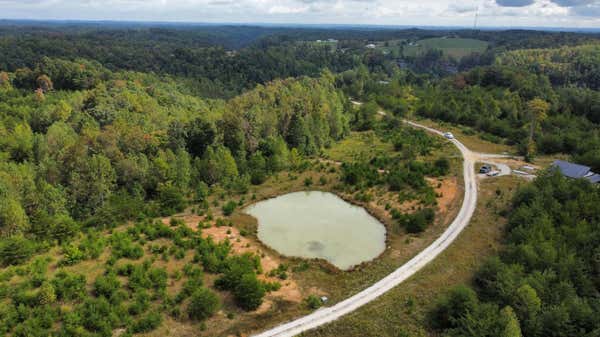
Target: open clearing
(454,47)
(317,277)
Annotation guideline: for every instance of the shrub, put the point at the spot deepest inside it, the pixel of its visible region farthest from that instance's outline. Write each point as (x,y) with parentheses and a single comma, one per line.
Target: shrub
(203,304)
(235,268)
(418,222)
(97,315)
(229,207)
(308,181)
(171,199)
(313,302)
(249,292)
(141,302)
(441,166)
(106,285)
(73,255)
(15,250)
(69,286)
(148,322)
(46,294)
(123,246)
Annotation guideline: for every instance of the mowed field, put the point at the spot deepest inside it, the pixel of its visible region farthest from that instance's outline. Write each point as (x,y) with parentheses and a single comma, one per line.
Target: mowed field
(454,47)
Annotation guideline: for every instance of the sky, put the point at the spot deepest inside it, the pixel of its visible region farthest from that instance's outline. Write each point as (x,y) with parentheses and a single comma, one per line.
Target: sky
(491,13)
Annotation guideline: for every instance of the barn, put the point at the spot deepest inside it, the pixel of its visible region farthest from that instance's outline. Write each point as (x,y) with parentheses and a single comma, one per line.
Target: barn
(576,171)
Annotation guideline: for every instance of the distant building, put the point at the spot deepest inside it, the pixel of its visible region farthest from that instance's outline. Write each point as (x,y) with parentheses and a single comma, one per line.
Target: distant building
(370,46)
(332,40)
(576,171)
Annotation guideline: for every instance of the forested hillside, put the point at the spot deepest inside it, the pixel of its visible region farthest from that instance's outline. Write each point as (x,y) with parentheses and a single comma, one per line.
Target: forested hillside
(577,66)
(223,61)
(546,280)
(88,139)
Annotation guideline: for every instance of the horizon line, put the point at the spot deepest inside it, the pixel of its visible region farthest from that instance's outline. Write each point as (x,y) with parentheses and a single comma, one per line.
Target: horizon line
(282,24)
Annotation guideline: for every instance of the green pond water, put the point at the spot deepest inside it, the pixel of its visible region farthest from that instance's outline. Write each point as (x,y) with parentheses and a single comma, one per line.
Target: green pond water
(319,225)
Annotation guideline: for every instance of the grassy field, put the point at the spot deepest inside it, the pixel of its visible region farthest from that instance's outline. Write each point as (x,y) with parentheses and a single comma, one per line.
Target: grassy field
(358,146)
(454,47)
(403,311)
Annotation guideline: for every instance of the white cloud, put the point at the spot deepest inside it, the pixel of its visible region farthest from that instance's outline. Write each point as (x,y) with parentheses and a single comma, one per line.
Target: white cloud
(572,13)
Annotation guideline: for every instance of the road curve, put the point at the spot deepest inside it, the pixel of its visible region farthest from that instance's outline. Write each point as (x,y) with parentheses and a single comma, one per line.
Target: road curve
(329,314)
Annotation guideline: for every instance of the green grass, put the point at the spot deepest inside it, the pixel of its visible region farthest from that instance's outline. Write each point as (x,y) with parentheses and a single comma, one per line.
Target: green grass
(454,47)
(358,146)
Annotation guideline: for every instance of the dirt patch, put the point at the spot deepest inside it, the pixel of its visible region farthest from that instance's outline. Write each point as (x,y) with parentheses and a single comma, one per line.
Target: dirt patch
(446,191)
(289,291)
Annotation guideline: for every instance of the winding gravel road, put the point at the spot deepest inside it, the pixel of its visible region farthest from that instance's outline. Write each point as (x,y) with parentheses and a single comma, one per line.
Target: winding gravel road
(329,314)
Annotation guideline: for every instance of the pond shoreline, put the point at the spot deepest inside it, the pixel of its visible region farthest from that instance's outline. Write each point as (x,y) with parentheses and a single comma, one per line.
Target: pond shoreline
(348,215)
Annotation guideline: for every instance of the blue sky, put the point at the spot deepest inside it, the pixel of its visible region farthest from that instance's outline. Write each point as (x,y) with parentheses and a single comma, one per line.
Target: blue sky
(506,13)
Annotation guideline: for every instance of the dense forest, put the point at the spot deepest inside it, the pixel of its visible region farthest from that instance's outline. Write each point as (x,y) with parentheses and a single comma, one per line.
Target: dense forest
(223,61)
(546,280)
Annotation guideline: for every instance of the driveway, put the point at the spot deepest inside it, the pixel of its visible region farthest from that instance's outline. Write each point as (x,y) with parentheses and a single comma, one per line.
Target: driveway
(329,314)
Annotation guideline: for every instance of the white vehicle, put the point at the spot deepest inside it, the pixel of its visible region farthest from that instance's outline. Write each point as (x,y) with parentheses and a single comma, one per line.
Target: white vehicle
(449,135)
(493,173)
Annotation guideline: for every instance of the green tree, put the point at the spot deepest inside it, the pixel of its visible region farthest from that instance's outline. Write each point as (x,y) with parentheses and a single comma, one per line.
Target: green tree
(183,169)
(538,111)
(203,304)
(218,165)
(46,294)
(21,142)
(249,292)
(13,218)
(365,116)
(171,199)
(258,168)
(299,136)
(510,323)
(91,185)
(200,134)
(15,250)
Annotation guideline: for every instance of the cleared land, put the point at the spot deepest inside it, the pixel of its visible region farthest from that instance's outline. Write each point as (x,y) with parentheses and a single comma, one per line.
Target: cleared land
(317,277)
(454,47)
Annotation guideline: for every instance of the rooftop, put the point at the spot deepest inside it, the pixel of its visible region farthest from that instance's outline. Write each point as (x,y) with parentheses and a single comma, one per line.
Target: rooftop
(571,170)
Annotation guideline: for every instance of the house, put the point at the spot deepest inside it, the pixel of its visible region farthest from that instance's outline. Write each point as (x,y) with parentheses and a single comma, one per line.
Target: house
(576,171)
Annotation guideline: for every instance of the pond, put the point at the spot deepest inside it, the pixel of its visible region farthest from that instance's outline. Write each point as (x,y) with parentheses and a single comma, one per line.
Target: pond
(319,225)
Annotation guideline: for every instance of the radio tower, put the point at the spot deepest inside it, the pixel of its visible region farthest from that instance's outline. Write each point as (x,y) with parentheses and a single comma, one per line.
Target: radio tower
(476,15)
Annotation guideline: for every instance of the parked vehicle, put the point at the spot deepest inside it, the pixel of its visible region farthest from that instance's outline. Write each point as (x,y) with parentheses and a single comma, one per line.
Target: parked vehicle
(449,135)
(493,173)
(485,169)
